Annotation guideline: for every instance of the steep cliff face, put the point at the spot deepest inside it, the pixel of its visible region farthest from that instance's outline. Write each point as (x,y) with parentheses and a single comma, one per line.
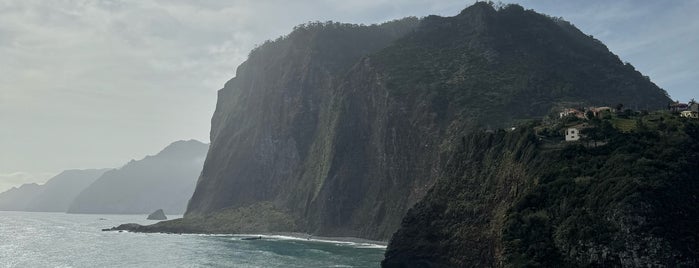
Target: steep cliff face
(508,200)
(459,223)
(282,135)
(339,129)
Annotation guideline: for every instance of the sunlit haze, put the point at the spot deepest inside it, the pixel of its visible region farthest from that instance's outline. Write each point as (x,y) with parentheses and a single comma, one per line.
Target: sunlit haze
(93,84)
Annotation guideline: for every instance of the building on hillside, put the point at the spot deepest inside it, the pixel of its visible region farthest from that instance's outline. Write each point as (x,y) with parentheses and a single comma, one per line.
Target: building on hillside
(571,112)
(689,114)
(600,111)
(677,106)
(573,133)
(693,106)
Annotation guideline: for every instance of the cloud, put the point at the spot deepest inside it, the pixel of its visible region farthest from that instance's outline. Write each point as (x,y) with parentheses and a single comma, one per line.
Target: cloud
(15,177)
(91,84)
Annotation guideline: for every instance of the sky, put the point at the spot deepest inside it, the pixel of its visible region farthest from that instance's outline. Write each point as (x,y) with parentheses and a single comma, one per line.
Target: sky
(96,83)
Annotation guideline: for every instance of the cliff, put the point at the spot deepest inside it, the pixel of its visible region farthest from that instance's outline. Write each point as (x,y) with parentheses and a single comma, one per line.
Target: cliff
(283,143)
(512,200)
(165,180)
(337,130)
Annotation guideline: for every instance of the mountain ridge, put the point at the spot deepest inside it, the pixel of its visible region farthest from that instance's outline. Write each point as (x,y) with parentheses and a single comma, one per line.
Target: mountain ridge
(337,130)
(164,180)
(53,196)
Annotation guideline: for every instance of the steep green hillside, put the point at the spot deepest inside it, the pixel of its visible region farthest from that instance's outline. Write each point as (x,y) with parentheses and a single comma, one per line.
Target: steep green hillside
(508,199)
(339,129)
(494,67)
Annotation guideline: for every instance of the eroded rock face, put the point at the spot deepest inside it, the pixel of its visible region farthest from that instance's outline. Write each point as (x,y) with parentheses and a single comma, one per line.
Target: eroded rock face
(339,129)
(157,215)
(291,131)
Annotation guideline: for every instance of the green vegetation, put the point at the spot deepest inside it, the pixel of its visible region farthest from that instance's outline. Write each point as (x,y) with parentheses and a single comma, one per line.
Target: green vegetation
(277,126)
(593,204)
(510,199)
(344,127)
(498,66)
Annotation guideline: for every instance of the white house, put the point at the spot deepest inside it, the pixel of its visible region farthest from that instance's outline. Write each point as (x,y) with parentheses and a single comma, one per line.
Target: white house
(689,114)
(599,111)
(572,134)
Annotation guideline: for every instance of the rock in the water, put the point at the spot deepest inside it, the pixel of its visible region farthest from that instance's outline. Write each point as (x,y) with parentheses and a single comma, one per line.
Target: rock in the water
(157,215)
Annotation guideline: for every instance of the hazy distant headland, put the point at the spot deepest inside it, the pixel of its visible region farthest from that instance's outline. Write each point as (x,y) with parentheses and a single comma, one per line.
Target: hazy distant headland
(55,195)
(162,181)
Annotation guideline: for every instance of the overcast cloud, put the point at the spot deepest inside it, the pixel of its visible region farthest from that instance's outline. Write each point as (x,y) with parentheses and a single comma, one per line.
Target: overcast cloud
(93,84)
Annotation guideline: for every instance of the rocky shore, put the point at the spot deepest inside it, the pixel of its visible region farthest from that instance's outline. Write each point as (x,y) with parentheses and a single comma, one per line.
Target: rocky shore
(138,228)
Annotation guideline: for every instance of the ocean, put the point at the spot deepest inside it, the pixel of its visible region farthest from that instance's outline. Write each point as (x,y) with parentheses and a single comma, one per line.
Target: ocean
(37,239)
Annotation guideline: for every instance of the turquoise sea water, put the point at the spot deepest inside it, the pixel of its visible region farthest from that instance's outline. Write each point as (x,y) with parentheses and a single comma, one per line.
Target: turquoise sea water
(30,239)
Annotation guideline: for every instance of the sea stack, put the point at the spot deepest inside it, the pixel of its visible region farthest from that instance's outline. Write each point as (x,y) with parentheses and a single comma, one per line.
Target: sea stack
(158,215)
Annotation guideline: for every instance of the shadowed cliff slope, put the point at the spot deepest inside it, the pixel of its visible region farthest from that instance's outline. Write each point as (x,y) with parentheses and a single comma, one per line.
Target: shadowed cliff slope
(338,129)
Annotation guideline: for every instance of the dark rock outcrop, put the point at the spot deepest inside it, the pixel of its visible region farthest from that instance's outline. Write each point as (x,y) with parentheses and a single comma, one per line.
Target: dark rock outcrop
(157,215)
(165,180)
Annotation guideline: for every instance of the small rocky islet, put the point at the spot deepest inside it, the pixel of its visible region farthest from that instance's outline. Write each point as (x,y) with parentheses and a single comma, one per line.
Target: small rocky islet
(157,215)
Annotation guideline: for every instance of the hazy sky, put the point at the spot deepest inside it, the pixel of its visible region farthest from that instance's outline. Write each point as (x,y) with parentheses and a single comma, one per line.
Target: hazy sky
(95,83)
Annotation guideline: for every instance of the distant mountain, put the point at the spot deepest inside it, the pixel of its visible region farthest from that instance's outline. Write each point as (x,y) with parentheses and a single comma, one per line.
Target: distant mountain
(59,192)
(165,180)
(18,198)
(53,196)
